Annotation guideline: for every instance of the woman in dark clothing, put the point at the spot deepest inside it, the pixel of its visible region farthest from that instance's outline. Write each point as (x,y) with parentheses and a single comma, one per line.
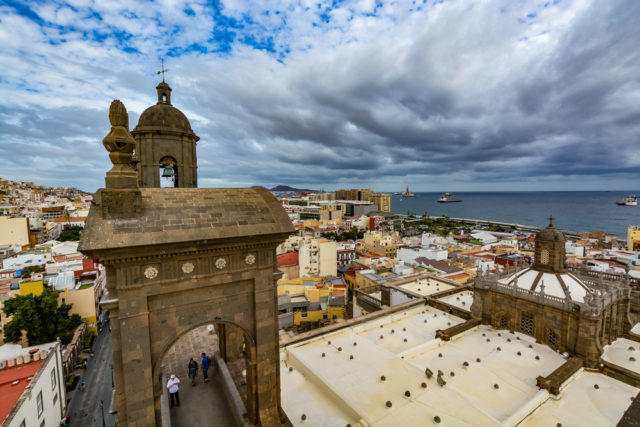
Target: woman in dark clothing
(193,370)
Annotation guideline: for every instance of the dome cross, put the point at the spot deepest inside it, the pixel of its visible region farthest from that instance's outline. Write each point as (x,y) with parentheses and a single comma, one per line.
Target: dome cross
(162,71)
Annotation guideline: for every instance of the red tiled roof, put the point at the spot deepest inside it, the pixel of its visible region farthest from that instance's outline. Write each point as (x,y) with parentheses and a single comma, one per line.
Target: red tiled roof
(457,276)
(290,258)
(70,257)
(11,393)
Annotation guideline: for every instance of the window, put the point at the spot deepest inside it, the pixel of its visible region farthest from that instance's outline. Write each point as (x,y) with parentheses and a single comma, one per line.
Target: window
(504,322)
(53,378)
(23,423)
(552,339)
(39,403)
(55,398)
(526,323)
(544,257)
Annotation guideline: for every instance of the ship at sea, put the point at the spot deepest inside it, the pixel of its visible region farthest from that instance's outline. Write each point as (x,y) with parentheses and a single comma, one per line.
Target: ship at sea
(631,200)
(407,193)
(448,198)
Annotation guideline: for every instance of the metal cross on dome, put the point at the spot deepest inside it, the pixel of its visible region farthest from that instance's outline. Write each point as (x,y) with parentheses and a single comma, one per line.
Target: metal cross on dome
(551,218)
(162,71)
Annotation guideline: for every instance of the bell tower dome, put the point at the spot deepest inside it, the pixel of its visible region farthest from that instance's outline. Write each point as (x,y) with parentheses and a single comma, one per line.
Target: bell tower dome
(165,145)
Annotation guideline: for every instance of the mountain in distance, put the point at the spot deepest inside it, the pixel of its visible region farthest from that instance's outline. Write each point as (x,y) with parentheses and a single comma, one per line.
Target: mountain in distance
(286,188)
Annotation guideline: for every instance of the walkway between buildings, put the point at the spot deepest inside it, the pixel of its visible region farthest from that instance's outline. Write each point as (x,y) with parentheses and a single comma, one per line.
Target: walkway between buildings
(204,404)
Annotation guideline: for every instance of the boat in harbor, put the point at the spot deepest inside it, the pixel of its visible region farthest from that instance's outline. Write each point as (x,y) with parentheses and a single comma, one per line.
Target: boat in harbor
(448,198)
(631,200)
(407,193)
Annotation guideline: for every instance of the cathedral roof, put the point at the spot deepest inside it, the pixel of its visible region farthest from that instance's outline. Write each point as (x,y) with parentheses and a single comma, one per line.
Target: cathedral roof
(563,286)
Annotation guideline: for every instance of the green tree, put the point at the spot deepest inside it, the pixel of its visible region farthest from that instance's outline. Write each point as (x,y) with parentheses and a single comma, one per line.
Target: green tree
(72,234)
(41,316)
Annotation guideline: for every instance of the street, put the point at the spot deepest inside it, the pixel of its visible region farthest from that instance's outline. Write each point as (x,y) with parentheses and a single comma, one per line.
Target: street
(85,408)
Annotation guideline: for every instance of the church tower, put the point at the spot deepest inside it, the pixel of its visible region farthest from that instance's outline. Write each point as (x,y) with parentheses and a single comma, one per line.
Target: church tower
(550,250)
(165,145)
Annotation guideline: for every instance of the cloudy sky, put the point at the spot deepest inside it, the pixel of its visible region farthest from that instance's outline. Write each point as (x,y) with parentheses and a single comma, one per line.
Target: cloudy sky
(441,95)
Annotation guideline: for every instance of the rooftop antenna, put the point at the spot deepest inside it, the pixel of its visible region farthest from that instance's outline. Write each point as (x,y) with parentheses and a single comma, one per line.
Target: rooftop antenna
(162,70)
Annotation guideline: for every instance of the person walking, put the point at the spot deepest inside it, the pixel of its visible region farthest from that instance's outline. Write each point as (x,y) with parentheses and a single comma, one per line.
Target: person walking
(173,387)
(205,366)
(193,370)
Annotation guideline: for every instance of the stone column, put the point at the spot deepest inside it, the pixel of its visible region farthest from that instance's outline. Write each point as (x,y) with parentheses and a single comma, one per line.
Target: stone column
(135,363)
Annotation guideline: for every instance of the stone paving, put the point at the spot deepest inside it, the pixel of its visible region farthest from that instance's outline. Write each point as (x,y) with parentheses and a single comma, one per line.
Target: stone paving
(203,404)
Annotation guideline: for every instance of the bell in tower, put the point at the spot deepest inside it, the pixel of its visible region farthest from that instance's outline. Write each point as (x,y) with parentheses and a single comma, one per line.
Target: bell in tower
(165,145)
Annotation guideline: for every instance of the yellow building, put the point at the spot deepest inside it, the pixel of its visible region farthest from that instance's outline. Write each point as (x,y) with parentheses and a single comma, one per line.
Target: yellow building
(382,200)
(83,303)
(34,288)
(313,300)
(383,245)
(14,231)
(633,238)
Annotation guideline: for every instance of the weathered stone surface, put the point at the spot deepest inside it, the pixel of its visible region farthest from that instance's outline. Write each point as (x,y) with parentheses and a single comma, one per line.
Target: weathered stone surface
(167,216)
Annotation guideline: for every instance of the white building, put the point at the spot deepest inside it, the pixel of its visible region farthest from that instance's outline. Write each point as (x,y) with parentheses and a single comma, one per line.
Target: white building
(409,255)
(26,260)
(32,385)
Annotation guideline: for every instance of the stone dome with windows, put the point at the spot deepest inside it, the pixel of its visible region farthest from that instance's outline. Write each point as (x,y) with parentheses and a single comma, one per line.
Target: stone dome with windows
(165,153)
(549,276)
(163,116)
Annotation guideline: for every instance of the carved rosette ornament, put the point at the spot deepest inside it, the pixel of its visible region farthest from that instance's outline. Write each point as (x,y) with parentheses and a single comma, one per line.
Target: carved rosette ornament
(150,273)
(250,259)
(187,268)
(221,263)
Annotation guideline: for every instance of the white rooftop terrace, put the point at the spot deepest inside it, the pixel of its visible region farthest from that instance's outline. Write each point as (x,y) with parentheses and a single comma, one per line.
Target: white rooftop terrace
(462,300)
(337,378)
(580,403)
(624,353)
(426,286)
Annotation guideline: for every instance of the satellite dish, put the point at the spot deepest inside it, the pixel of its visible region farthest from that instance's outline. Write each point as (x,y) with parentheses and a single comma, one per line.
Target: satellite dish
(210,328)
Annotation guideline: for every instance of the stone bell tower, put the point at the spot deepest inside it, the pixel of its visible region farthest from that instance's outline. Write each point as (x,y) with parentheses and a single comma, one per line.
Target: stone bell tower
(165,144)
(180,258)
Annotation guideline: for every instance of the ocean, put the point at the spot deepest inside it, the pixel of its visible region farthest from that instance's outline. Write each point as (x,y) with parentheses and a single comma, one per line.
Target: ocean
(572,210)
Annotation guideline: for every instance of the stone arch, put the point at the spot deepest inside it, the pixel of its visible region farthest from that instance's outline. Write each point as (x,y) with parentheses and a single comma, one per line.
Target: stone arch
(250,358)
(158,362)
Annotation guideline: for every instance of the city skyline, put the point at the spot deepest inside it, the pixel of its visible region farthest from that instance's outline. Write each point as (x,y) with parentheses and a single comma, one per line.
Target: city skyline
(442,96)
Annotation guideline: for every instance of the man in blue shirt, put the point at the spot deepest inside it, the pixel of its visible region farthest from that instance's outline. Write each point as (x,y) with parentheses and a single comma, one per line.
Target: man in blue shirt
(205,366)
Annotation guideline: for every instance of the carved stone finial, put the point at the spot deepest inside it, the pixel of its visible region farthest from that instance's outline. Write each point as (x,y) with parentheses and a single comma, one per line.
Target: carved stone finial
(120,145)
(118,114)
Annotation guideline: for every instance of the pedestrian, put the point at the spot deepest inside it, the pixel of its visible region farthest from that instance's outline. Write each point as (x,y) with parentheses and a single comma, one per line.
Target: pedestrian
(83,384)
(193,370)
(205,367)
(172,385)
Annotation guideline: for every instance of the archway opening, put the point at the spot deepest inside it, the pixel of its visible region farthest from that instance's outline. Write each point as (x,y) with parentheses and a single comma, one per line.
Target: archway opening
(169,176)
(204,399)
